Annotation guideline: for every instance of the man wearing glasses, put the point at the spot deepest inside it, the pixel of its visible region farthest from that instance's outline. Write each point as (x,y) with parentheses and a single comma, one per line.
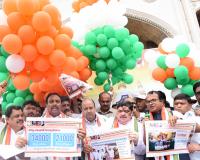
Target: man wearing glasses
(124,119)
(196,107)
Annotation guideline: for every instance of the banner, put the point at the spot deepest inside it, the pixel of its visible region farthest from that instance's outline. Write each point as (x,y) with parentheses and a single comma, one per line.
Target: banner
(52,137)
(73,86)
(113,144)
(162,139)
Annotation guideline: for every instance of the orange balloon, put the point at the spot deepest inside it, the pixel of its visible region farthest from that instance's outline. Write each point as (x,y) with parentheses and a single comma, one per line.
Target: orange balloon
(28,7)
(34,88)
(15,20)
(27,34)
(73,52)
(51,76)
(170,72)
(57,23)
(70,65)
(41,21)
(161,50)
(76,6)
(21,81)
(107,1)
(36,76)
(12,43)
(83,4)
(52,11)
(83,62)
(9,6)
(159,74)
(75,74)
(39,97)
(45,45)
(45,86)
(187,62)
(57,57)
(91,1)
(41,64)
(85,74)
(4,30)
(195,73)
(52,32)
(43,3)
(29,52)
(62,41)
(29,67)
(66,30)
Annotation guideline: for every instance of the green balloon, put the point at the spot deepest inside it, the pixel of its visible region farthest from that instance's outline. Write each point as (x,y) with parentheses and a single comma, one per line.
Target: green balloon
(126,46)
(98,31)
(106,87)
(188,89)
(29,97)
(114,80)
(111,64)
(104,52)
(112,43)
(93,66)
(10,97)
(117,53)
(130,64)
(121,34)
(161,62)
(10,86)
(3,107)
(100,65)
(102,76)
(109,31)
(183,80)
(133,38)
(3,64)
(4,53)
(75,44)
(138,47)
(192,82)
(3,76)
(102,40)
(182,50)
(127,78)
(170,83)
(98,82)
(20,93)
(9,104)
(90,49)
(118,71)
(90,38)
(181,71)
(18,101)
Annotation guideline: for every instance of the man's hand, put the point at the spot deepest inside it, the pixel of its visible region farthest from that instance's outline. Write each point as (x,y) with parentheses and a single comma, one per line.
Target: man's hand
(173,120)
(81,133)
(192,147)
(87,148)
(21,142)
(134,137)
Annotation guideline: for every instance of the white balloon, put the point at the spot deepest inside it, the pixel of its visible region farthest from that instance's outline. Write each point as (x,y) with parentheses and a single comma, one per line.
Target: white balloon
(15,63)
(172,60)
(175,92)
(168,45)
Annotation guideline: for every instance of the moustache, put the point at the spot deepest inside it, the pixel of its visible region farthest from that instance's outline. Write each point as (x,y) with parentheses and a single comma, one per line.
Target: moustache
(67,110)
(20,121)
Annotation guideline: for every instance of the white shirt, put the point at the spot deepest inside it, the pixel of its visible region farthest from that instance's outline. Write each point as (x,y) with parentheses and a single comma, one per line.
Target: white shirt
(190,116)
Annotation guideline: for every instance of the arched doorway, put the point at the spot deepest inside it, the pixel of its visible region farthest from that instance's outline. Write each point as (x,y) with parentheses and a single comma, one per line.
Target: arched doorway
(150,30)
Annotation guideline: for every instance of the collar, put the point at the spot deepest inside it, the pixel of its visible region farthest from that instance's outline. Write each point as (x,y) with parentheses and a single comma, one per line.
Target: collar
(104,113)
(183,116)
(94,121)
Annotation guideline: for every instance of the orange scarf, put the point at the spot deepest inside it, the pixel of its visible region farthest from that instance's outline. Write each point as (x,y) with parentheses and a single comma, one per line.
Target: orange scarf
(5,132)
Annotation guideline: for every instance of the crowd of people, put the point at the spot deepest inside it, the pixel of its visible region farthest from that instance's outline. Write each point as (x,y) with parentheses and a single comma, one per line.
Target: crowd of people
(130,112)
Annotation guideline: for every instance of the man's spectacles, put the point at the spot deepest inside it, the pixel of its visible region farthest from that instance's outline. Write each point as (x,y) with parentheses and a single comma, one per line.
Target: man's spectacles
(151,101)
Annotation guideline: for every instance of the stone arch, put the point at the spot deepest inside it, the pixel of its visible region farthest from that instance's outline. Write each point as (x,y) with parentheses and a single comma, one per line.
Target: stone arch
(150,29)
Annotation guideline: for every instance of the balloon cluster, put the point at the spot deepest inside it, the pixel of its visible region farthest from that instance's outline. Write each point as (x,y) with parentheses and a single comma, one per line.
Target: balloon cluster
(90,18)
(77,5)
(39,48)
(111,52)
(14,96)
(176,70)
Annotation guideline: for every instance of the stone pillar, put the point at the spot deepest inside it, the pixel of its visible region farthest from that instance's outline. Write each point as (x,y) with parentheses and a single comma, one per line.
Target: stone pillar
(191,21)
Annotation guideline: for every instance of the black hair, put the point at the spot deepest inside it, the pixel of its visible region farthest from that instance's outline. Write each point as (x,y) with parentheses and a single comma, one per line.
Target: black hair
(196,85)
(0,110)
(127,104)
(31,102)
(10,109)
(102,93)
(161,95)
(52,94)
(183,96)
(65,98)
